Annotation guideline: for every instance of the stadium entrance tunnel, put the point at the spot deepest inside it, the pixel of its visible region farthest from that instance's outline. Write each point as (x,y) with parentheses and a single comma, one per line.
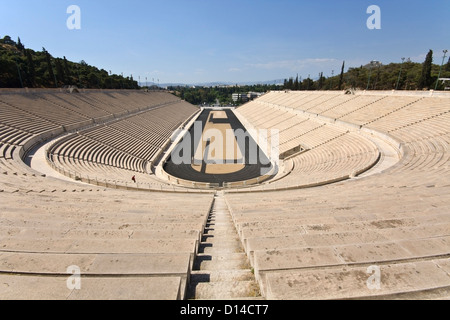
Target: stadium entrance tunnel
(218,152)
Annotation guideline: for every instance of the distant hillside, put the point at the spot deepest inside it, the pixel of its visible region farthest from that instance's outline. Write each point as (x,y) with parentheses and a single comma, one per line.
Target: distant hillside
(224,84)
(22,67)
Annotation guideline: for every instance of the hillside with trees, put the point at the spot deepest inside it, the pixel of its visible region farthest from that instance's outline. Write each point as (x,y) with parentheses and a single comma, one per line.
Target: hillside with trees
(21,67)
(375,76)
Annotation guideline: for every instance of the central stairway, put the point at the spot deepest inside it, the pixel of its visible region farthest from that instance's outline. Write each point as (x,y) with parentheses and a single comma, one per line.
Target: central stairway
(221,270)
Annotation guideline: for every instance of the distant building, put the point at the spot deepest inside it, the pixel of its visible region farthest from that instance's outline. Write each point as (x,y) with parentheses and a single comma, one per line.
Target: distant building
(254,95)
(373,64)
(239,97)
(244,97)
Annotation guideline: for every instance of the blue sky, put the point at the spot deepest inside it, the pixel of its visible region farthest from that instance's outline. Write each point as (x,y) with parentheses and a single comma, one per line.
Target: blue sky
(194,41)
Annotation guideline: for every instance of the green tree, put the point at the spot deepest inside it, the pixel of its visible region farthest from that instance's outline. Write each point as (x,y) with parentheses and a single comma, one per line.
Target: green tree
(60,71)
(341,77)
(8,74)
(20,46)
(320,81)
(67,70)
(291,83)
(49,67)
(93,80)
(296,84)
(308,84)
(39,68)
(377,79)
(425,80)
(31,68)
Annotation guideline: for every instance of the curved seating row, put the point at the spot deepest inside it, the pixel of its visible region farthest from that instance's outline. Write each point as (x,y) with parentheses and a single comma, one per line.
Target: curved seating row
(131,143)
(115,235)
(341,153)
(380,236)
(125,245)
(384,236)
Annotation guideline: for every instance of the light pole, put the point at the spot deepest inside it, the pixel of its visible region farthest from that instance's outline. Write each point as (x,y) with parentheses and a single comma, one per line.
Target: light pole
(79,75)
(440,69)
(331,83)
(54,75)
(370,74)
(20,75)
(401,68)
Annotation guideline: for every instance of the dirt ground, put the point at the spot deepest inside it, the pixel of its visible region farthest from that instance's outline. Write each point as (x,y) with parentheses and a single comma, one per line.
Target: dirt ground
(213,147)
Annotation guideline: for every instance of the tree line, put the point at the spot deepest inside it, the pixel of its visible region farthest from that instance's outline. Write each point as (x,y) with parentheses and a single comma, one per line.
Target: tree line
(217,94)
(375,76)
(21,67)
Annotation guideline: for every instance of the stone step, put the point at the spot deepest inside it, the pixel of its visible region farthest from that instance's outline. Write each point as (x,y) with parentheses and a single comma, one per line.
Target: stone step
(222,217)
(34,287)
(215,250)
(221,269)
(224,265)
(227,290)
(230,261)
(410,280)
(221,275)
(220,224)
(227,226)
(226,233)
(210,240)
(214,246)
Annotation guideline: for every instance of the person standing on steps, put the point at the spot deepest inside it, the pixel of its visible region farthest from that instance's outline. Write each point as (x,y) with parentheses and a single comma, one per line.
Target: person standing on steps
(134,179)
